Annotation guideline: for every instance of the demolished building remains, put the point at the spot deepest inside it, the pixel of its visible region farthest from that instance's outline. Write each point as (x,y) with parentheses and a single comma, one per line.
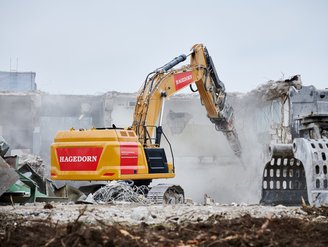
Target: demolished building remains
(35,117)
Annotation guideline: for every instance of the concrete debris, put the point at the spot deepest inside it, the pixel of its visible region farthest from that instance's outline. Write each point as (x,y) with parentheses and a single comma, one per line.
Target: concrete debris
(22,180)
(185,118)
(208,200)
(131,213)
(189,201)
(4,147)
(30,173)
(276,89)
(34,161)
(86,200)
(140,214)
(105,226)
(69,192)
(24,185)
(8,176)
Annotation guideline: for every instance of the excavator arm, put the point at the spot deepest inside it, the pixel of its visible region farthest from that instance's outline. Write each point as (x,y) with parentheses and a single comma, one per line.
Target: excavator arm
(167,80)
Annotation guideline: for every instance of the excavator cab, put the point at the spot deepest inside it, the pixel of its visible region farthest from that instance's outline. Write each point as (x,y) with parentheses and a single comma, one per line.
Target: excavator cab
(297,171)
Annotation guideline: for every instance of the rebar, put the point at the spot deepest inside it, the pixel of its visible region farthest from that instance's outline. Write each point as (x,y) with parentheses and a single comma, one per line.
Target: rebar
(122,191)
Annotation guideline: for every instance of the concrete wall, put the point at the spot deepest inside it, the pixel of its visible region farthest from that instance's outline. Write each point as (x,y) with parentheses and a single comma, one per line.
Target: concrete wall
(203,158)
(17,81)
(31,120)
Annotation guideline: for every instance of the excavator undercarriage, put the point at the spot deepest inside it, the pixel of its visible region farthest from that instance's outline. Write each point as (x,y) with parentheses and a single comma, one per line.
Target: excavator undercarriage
(296,172)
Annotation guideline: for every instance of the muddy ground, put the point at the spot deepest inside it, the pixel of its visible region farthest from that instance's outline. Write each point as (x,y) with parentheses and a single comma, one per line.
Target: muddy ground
(187,225)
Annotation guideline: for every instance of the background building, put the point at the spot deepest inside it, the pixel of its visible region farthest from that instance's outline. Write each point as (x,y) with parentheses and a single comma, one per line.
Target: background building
(17,81)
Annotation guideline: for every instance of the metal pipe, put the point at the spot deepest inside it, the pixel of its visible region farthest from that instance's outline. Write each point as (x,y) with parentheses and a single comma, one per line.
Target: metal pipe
(163,96)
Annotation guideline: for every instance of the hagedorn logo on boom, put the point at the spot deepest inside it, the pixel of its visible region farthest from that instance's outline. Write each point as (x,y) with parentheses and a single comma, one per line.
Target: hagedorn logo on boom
(183,79)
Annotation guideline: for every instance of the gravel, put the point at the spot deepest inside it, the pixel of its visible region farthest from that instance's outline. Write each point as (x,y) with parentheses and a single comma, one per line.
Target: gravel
(128,213)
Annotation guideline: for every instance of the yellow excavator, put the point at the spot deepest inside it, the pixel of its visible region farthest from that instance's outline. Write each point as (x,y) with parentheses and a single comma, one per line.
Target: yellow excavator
(134,153)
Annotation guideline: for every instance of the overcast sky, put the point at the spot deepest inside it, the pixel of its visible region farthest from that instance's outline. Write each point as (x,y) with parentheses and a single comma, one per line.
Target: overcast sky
(88,47)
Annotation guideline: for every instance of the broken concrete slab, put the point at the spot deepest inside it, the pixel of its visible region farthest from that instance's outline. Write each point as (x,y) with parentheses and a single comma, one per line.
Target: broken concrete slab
(8,176)
(4,147)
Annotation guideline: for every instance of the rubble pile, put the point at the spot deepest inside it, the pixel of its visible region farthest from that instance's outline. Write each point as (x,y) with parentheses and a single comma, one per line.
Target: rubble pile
(122,215)
(184,225)
(34,161)
(275,89)
(134,214)
(23,180)
(8,175)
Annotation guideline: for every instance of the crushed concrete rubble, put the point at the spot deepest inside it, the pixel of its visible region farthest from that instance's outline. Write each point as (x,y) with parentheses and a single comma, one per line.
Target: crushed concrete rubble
(120,214)
(8,175)
(130,213)
(272,90)
(34,161)
(130,224)
(23,179)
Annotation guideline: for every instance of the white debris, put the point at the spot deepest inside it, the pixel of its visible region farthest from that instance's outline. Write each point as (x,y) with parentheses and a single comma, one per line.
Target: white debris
(140,214)
(88,200)
(34,161)
(208,200)
(276,89)
(189,201)
(152,214)
(280,206)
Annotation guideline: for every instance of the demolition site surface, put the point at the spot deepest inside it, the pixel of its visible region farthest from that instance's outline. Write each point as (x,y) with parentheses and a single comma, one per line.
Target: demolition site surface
(35,211)
(129,224)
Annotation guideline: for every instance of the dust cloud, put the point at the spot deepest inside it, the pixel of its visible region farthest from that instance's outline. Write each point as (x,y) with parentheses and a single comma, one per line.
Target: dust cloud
(204,162)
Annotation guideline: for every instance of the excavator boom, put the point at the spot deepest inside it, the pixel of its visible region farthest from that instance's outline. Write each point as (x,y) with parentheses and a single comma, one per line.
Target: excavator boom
(166,81)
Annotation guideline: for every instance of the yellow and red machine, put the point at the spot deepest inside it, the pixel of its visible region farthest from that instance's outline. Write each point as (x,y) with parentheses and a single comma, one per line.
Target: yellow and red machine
(106,154)
(134,153)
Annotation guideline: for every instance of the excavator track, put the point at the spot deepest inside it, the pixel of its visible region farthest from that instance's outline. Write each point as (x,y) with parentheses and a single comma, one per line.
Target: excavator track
(166,194)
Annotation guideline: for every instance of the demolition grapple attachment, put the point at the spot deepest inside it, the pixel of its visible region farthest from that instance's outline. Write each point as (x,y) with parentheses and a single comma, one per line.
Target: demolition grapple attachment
(299,169)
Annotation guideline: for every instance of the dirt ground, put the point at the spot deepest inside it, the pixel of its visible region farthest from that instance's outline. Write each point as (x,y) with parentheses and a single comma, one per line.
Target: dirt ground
(307,228)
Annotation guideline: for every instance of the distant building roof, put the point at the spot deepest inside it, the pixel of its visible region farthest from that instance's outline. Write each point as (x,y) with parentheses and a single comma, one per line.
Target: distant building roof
(17,81)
